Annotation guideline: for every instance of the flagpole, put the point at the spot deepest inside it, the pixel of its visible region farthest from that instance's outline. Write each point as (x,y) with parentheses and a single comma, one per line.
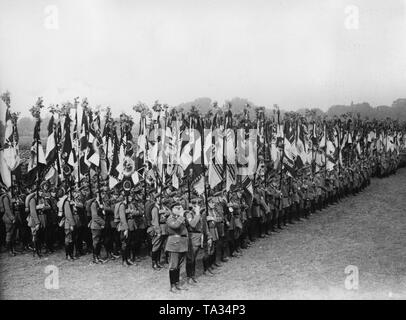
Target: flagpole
(325,148)
(188,177)
(14,124)
(283,152)
(204,215)
(56,140)
(144,120)
(78,139)
(99,167)
(37,114)
(339,146)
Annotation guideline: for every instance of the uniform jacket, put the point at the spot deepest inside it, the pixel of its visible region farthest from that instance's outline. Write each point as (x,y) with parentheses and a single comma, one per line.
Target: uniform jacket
(97,222)
(177,234)
(8,216)
(69,219)
(122,225)
(34,220)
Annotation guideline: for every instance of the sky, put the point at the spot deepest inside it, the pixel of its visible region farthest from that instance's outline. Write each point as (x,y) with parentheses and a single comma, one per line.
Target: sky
(297,54)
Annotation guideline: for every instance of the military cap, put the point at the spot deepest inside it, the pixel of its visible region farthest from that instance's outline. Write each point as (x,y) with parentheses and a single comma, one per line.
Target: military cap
(174,204)
(196,199)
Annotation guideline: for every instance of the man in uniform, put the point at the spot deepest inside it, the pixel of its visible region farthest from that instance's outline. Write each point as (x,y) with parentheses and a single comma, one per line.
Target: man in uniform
(68,222)
(285,202)
(211,223)
(9,219)
(194,224)
(35,204)
(97,225)
(123,227)
(157,232)
(51,215)
(80,198)
(177,244)
(140,226)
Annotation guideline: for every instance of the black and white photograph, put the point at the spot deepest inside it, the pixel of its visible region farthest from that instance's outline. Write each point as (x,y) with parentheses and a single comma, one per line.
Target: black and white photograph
(202,150)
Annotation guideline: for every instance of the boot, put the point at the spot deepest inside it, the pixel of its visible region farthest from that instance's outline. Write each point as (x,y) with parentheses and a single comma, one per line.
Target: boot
(155,264)
(71,248)
(95,260)
(177,283)
(290,220)
(94,255)
(280,223)
(67,251)
(206,270)
(285,219)
(189,269)
(38,249)
(10,249)
(125,261)
(172,281)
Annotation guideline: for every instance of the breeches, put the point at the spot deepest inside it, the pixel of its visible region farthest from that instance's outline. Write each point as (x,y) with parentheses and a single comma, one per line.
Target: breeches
(96,237)
(158,242)
(10,231)
(176,259)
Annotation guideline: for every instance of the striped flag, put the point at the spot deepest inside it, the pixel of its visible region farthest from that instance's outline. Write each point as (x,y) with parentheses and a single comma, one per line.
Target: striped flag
(50,153)
(215,169)
(197,181)
(32,164)
(11,149)
(290,151)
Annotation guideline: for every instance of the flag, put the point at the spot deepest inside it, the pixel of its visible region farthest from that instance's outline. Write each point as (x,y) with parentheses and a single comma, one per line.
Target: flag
(50,153)
(301,134)
(215,168)
(115,173)
(186,147)
(67,147)
(11,149)
(32,164)
(331,150)
(231,168)
(84,164)
(94,140)
(197,180)
(290,152)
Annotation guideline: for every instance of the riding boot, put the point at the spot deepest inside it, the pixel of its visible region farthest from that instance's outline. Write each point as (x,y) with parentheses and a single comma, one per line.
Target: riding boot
(172,280)
(155,264)
(189,269)
(127,255)
(158,258)
(71,249)
(38,248)
(9,247)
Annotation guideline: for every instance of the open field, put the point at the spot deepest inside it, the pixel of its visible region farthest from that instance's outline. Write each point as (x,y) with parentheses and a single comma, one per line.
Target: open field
(307,261)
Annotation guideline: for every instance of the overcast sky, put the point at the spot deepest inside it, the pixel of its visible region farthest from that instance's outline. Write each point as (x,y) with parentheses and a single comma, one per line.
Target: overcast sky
(293,53)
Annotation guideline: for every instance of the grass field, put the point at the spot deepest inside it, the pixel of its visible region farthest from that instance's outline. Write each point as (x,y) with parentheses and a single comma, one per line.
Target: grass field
(307,261)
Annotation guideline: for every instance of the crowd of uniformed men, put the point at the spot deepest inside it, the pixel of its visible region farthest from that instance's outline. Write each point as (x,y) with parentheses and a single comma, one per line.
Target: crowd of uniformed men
(168,226)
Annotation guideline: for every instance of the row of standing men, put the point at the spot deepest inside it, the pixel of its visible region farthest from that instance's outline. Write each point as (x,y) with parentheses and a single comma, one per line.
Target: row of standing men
(168,226)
